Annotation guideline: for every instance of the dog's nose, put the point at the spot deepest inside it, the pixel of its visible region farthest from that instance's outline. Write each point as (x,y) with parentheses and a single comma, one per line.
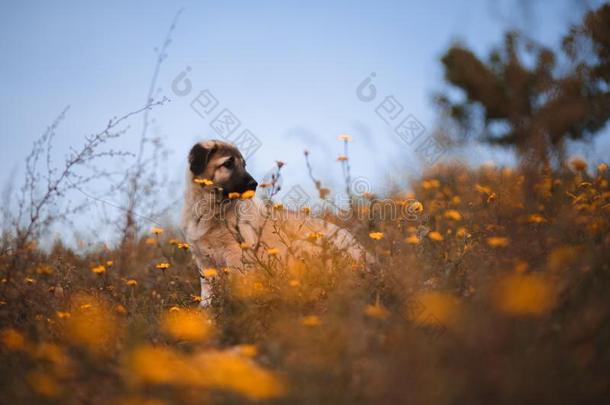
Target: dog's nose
(252,184)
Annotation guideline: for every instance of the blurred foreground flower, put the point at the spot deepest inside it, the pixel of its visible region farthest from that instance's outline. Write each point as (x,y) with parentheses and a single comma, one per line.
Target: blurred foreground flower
(91,324)
(192,325)
(215,370)
(12,339)
(519,294)
(433,308)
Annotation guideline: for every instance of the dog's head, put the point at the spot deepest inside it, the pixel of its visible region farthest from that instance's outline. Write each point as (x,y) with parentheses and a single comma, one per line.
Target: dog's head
(221,163)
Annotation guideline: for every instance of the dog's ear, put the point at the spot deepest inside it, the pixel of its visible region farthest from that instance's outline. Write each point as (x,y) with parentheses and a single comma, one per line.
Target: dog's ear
(199,157)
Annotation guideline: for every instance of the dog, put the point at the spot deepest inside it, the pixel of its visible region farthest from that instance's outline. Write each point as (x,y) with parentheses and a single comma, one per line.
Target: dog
(228,232)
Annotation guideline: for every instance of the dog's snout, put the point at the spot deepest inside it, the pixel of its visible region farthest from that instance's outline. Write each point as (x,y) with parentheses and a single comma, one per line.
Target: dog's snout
(252,184)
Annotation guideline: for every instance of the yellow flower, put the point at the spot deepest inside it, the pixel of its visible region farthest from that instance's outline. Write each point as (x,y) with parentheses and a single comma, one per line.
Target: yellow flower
(131,282)
(579,164)
(187,324)
(29,280)
(247,350)
(536,219)
(344,138)
(342,158)
(462,232)
(91,323)
(184,246)
(44,269)
(109,263)
(453,214)
(429,184)
(43,384)
(196,298)
(306,210)
(205,182)
(162,266)
(209,272)
(376,235)
(482,189)
(412,240)
(376,311)
(315,235)
(156,230)
(98,269)
(12,339)
(416,207)
(233,195)
(435,236)
(519,294)
(278,206)
(433,308)
(311,321)
(498,241)
(247,194)
(273,251)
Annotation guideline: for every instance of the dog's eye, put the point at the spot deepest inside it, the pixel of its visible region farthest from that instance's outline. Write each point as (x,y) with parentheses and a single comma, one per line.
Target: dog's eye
(228,163)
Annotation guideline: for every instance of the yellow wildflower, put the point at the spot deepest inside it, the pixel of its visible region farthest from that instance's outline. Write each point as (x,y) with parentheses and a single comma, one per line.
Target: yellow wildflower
(579,164)
(412,240)
(189,325)
(162,266)
(247,194)
(233,195)
(311,321)
(376,311)
(342,158)
(376,235)
(247,350)
(98,269)
(453,214)
(498,241)
(435,236)
(519,294)
(273,251)
(109,263)
(131,282)
(416,207)
(344,138)
(205,182)
(12,339)
(278,206)
(209,272)
(536,219)
(156,230)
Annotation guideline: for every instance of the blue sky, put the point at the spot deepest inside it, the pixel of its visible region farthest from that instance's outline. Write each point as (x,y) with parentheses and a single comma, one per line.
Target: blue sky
(288,70)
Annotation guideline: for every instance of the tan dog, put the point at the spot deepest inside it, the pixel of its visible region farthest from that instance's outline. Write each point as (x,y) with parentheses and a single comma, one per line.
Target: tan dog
(236,233)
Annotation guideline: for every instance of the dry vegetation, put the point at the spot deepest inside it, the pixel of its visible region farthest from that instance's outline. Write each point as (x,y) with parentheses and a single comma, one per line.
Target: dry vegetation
(488,293)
